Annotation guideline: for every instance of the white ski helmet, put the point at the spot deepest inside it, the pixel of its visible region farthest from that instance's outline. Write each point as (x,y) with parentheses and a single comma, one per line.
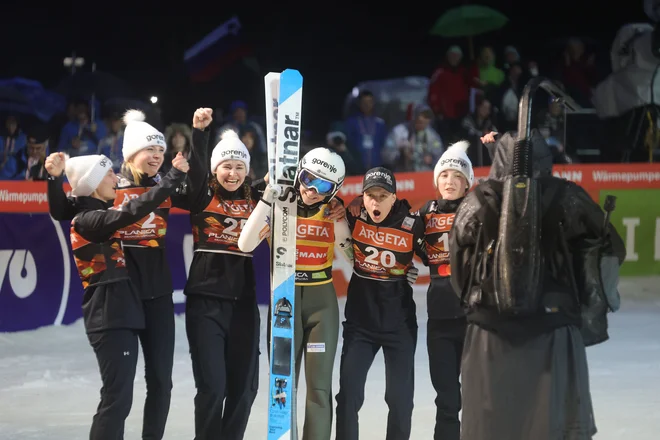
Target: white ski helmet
(325,164)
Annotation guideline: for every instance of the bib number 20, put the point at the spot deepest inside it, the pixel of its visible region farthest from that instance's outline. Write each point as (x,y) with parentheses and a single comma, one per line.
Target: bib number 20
(382,258)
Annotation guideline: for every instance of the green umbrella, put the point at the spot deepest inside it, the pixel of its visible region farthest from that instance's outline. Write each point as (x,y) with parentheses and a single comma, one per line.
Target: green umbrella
(468,21)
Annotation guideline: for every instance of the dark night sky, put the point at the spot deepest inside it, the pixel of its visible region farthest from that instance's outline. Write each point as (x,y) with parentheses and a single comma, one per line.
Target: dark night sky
(333,47)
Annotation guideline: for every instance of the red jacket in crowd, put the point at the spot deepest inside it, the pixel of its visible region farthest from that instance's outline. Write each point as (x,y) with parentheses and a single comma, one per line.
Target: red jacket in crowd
(449,90)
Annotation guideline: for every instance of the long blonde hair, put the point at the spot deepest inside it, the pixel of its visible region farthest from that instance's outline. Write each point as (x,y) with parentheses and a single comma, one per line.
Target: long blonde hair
(128,168)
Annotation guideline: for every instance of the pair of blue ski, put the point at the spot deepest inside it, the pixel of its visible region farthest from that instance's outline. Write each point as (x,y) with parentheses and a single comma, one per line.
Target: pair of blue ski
(283,118)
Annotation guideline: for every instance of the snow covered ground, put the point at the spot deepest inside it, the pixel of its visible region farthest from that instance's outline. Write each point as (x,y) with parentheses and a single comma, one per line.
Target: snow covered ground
(49,380)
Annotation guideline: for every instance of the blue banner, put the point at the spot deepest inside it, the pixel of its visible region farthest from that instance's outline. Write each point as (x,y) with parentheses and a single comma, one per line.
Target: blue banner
(39,283)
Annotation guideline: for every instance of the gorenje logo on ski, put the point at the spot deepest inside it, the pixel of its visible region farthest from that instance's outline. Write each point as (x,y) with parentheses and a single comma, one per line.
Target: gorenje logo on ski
(290,153)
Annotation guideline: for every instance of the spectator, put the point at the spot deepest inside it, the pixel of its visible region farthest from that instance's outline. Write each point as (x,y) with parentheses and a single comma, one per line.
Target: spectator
(478,124)
(110,146)
(336,141)
(449,93)
(12,144)
(30,165)
(366,132)
(530,69)
(258,159)
(81,136)
(178,138)
(12,138)
(413,145)
(578,72)
(239,121)
(510,92)
(490,75)
(552,121)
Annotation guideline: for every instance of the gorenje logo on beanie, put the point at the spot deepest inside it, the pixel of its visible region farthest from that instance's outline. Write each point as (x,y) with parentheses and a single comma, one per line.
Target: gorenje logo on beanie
(454,161)
(237,153)
(379,175)
(155,137)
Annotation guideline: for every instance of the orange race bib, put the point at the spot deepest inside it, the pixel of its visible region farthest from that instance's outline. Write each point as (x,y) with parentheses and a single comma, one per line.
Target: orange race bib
(149,231)
(436,240)
(218,227)
(315,241)
(383,253)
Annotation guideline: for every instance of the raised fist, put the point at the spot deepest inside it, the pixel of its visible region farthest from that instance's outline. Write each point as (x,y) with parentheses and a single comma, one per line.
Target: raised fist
(202,118)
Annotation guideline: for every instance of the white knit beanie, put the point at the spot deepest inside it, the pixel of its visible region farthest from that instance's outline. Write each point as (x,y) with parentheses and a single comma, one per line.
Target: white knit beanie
(139,135)
(85,173)
(455,158)
(230,147)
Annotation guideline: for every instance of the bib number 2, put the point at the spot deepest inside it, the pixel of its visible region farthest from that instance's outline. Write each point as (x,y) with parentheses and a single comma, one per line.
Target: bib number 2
(149,222)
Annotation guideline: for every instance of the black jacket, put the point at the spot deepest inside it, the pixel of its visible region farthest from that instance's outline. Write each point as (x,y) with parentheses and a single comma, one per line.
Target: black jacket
(582,220)
(219,275)
(384,305)
(148,267)
(111,301)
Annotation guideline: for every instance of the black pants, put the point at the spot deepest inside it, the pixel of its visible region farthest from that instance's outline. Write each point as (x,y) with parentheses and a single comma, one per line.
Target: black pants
(360,348)
(224,347)
(157,340)
(116,353)
(445,339)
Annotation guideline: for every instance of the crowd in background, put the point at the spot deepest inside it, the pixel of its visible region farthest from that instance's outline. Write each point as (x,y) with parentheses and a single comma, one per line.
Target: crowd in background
(465,100)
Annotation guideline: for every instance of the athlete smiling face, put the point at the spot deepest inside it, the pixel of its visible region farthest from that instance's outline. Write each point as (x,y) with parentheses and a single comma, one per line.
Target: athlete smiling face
(231,174)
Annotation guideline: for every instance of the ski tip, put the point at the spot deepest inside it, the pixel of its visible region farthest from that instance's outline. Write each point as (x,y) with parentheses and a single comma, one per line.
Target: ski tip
(292,73)
(291,81)
(272,75)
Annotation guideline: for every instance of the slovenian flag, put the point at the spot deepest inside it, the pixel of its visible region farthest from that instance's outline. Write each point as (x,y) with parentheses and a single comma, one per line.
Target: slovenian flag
(215,52)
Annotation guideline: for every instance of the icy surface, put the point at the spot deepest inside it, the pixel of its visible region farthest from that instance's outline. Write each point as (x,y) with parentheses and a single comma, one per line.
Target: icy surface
(49,380)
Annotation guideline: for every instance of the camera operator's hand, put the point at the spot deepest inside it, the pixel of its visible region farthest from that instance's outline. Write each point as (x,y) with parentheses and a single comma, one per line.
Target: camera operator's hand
(488,138)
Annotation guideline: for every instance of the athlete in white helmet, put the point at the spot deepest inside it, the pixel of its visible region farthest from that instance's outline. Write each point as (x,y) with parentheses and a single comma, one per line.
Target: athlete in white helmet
(320,174)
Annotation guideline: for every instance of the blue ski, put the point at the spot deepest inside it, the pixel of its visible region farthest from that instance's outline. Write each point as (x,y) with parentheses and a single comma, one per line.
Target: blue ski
(284,132)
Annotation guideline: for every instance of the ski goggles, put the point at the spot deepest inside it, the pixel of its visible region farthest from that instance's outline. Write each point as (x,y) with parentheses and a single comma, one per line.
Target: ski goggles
(322,186)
